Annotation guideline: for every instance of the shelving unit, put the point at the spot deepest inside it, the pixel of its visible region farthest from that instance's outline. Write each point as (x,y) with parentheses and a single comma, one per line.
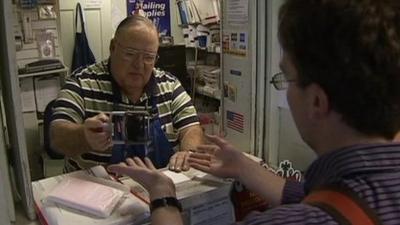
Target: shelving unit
(44,73)
(217,50)
(38,40)
(204,62)
(215,94)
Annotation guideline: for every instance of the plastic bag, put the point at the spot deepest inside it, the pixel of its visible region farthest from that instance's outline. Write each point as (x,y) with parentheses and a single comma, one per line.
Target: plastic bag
(87,196)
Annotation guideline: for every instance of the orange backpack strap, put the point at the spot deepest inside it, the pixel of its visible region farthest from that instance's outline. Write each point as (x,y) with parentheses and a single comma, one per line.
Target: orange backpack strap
(345,206)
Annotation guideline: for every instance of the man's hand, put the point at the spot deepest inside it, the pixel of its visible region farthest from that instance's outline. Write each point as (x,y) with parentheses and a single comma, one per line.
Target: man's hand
(98,138)
(220,158)
(178,162)
(155,182)
(189,138)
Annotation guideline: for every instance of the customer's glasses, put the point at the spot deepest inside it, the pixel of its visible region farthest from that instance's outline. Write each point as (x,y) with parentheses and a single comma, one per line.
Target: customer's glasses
(131,54)
(280,81)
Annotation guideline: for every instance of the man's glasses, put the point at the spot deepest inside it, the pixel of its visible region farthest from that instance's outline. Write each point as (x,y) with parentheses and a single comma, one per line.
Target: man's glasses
(131,54)
(280,81)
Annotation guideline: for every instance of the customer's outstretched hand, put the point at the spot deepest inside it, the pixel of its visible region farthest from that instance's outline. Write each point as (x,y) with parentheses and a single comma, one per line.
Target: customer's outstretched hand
(219,158)
(155,182)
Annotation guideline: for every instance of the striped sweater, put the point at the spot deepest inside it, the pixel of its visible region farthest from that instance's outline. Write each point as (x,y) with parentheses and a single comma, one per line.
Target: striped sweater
(93,90)
(371,171)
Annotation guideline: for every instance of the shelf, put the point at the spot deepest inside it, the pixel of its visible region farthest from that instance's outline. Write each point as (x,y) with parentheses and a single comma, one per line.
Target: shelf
(209,92)
(216,51)
(188,24)
(25,75)
(218,23)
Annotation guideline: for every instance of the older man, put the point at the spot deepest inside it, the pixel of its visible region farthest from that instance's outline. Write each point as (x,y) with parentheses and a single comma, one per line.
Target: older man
(341,69)
(126,80)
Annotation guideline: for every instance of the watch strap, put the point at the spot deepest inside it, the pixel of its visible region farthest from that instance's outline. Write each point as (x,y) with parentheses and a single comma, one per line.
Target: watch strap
(164,202)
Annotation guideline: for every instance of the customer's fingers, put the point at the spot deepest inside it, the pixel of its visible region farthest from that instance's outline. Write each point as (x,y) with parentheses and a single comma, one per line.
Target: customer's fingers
(201,156)
(206,149)
(149,164)
(216,140)
(138,162)
(130,162)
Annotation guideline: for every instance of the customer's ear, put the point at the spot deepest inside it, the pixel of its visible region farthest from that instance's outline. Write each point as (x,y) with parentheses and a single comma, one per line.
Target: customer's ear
(112,45)
(320,105)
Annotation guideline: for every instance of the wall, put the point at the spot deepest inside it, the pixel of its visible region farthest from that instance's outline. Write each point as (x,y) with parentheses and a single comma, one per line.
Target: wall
(13,107)
(291,146)
(282,140)
(30,52)
(4,207)
(7,203)
(239,74)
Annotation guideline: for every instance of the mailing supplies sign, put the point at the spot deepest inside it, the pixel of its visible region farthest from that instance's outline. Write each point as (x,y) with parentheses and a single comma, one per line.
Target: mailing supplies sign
(156,10)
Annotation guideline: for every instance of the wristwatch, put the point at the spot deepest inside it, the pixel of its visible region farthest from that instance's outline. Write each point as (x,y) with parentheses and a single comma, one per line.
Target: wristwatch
(163,202)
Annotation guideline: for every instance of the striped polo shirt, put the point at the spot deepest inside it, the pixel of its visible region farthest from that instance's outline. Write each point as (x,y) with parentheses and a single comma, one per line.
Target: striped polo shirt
(371,171)
(92,90)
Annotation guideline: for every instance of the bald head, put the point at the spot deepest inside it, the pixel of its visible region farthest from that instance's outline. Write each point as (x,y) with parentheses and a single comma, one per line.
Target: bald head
(135,41)
(135,21)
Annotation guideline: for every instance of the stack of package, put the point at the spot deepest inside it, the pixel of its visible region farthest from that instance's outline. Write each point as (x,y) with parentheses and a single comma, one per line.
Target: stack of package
(210,76)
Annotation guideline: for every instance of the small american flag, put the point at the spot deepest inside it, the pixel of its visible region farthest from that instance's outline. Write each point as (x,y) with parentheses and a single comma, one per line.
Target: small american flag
(235,121)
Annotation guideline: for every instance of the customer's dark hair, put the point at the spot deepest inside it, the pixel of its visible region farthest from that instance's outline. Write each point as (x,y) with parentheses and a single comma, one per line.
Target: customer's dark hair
(135,20)
(351,48)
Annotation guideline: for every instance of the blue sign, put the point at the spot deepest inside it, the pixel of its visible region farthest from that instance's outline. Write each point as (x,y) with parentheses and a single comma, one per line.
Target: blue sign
(156,10)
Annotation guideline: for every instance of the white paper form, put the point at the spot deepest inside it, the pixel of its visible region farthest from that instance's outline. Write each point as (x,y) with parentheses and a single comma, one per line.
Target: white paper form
(90,4)
(176,177)
(237,12)
(46,89)
(27,95)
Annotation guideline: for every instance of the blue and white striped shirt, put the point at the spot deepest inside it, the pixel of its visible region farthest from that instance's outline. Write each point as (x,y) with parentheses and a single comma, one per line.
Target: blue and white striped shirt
(371,171)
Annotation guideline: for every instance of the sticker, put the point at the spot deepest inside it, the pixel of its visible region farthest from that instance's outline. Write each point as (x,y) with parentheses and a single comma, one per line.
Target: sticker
(235,121)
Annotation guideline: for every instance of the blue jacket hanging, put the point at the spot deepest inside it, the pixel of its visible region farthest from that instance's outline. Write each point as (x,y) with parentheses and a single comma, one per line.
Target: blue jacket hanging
(82,55)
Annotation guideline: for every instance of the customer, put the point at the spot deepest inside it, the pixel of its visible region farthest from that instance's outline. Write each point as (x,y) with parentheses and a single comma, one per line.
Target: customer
(341,68)
(126,80)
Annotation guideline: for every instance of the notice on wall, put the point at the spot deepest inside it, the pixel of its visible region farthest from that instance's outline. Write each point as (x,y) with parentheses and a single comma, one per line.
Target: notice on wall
(46,89)
(237,13)
(93,4)
(235,43)
(156,10)
(230,91)
(27,95)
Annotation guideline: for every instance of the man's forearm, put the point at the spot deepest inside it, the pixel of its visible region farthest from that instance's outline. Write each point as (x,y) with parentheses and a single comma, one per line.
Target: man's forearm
(68,138)
(259,180)
(191,137)
(166,216)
